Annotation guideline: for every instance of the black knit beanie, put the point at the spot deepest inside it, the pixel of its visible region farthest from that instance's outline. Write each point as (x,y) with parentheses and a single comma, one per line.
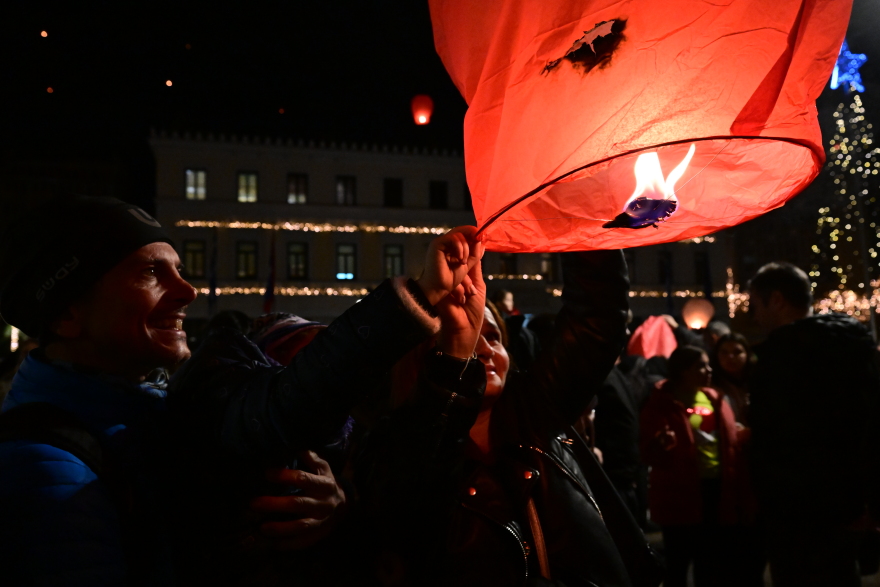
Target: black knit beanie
(70,247)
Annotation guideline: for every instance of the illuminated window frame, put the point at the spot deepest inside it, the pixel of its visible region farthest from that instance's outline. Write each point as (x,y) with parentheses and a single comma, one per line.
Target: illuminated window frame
(297,188)
(194,258)
(346,190)
(297,261)
(346,262)
(248,185)
(195,183)
(392,260)
(246,259)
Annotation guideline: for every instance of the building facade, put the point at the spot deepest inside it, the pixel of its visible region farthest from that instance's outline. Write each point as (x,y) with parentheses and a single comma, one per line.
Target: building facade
(334,220)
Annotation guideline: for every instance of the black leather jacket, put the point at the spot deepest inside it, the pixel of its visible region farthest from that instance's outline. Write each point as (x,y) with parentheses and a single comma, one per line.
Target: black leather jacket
(438,517)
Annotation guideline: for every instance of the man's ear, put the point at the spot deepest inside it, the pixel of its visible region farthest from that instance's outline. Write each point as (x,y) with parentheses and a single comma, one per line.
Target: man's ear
(69,323)
(777,301)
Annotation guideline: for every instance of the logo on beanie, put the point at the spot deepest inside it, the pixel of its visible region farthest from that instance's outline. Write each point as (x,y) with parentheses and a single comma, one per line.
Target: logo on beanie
(144,217)
(65,270)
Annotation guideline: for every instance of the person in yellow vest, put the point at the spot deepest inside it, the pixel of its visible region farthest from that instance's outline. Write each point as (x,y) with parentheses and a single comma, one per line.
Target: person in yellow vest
(688,437)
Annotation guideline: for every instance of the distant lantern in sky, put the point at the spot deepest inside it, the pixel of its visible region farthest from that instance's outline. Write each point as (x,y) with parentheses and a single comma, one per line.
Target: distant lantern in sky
(49,90)
(422,108)
(596,125)
(168,83)
(44,34)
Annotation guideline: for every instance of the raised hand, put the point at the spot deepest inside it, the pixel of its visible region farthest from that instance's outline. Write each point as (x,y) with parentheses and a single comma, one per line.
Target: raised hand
(449,260)
(461,314)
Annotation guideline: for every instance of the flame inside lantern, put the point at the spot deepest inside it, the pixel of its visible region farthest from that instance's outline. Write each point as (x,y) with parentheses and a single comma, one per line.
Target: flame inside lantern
(654,198)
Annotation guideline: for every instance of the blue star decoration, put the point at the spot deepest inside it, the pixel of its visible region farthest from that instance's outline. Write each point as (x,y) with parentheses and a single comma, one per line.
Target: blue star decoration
(846,70)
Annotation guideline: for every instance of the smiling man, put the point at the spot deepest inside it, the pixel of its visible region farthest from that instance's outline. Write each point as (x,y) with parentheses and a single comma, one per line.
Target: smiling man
(102,289)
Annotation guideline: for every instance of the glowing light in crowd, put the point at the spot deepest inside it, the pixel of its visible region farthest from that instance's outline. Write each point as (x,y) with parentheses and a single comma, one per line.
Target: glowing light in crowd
(697,312)
(13,339)
(422,108)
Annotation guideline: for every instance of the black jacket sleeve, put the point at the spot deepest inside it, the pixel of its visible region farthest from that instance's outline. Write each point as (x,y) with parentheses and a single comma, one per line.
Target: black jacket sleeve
(589,331)
(229,394)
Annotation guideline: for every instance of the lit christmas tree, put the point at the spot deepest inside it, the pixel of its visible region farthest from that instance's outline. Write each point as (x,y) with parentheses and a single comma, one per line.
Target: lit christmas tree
(847,241)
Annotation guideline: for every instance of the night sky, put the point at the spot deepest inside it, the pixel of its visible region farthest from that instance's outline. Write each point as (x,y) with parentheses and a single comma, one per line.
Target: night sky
(340,70)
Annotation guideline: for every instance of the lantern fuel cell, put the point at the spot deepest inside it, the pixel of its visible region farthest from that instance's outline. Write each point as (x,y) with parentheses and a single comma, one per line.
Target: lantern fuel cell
(570,101)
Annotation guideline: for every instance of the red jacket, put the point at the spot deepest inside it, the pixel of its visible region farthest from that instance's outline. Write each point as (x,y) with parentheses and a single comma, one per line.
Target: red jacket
(675,496)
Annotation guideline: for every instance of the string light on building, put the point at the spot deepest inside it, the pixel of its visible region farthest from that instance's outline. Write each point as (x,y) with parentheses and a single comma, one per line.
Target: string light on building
(524,277)
(288,291)
(314,227)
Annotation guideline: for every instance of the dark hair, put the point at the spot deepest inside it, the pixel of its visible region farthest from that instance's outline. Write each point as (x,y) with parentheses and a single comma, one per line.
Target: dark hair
(499,295)
(787,279)
(682,359)
(502,325)
(734,337)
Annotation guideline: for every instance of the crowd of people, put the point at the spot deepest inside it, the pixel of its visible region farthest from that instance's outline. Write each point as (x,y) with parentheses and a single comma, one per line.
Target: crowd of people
(427,436)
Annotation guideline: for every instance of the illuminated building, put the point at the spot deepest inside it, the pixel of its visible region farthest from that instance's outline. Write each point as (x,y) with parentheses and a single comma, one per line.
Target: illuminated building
(345,216)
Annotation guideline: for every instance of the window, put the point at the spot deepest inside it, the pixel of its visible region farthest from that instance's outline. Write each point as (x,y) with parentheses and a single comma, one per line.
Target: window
(438,195)
(247,186)
(393,193)
(195,184)
(548,266)
(393,260)
(194,259)
(246,260)
(297,261)
(468,203)
(664,268)
(345,262)
(346,190)
(297,188)
(507,264)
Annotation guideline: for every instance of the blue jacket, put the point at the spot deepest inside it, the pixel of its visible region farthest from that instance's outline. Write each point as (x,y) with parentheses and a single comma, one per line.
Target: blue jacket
(59,523)
(230,414)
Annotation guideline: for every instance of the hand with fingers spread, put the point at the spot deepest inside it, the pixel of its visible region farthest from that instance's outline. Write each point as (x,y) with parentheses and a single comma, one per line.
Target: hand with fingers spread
(317,507)
(461,314)
(449,260)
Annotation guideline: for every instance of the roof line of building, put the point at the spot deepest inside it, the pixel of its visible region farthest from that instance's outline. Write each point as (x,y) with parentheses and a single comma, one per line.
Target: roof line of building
(244,139)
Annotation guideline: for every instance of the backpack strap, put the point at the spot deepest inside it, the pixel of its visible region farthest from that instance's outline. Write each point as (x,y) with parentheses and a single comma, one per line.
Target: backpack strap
(49,424)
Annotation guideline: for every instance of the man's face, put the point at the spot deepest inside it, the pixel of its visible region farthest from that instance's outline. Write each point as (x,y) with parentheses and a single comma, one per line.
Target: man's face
(761,313)
(133,317)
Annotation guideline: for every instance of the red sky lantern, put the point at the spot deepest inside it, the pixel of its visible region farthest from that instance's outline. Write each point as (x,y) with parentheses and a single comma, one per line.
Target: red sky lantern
(422,108)
(602,124)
